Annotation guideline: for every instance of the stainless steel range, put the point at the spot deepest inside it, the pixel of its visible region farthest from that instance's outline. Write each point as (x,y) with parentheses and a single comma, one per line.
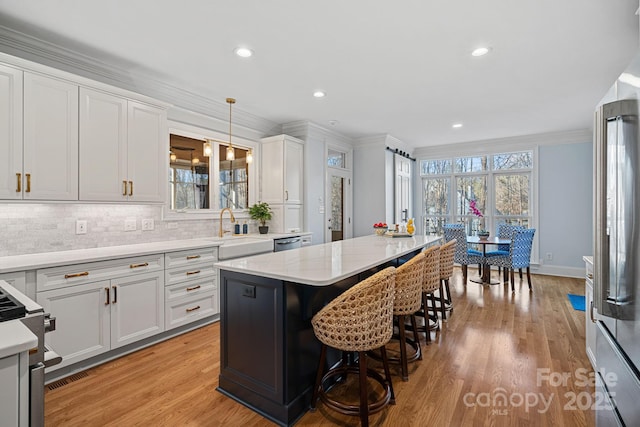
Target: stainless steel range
(15,306)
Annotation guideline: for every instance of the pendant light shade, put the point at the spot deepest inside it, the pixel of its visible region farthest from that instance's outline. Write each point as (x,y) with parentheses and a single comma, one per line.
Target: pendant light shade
(250,156)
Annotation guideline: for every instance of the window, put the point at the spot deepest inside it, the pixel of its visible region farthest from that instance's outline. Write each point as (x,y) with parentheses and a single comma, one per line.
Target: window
(500,184)
(201,180)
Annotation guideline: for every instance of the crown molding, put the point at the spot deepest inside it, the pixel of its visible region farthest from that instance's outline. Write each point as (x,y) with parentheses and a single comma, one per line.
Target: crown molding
(306,129)
(506,144)
(30,48)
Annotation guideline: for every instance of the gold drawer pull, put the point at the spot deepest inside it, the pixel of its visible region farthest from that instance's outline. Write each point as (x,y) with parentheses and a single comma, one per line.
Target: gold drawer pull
(19,181)
(69,276)
(107,301)
(189,273)
(124,188)
(197,307)
(193,288)
(28,175)
(590,275)
(144,264)
(193,256)
(131,188)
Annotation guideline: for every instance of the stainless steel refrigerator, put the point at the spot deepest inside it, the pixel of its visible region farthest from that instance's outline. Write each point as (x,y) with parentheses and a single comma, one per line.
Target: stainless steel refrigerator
(617,252)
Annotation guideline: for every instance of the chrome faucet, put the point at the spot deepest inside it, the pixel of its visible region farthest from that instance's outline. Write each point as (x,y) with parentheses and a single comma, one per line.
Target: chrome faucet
(233,218)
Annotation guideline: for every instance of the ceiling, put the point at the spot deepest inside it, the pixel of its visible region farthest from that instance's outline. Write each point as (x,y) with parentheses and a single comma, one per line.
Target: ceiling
(398,68)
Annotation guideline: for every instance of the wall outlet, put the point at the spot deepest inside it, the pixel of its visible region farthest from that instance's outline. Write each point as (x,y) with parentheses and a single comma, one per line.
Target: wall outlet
(81,226)
(130,224)
(549,256)
(147,224)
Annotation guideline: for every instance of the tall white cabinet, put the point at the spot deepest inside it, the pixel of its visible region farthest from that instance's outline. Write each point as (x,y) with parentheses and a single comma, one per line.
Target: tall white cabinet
(282,181)
(122,155)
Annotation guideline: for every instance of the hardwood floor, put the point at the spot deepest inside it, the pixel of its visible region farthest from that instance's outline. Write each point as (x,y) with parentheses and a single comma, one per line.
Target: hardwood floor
(501,359)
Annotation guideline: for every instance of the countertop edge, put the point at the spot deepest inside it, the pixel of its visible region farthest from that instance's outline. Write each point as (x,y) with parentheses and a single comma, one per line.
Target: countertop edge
(15,338)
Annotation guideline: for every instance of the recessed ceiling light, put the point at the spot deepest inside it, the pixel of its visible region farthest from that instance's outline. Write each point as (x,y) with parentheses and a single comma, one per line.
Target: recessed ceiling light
(456,125)
(480,51)
(333,122)
(243,52)
(319,94)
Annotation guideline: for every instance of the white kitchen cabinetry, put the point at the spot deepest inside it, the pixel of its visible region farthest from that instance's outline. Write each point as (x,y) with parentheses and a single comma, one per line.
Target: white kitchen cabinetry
(14,390)
(16,279)
(50,140)
(101,306)
(10,133)
(123,145)
(283,180)
(191,291)
(38,137)
(590,324)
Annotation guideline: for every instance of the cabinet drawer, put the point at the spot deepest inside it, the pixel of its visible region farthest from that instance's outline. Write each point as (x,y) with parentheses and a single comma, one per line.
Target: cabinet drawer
(187,310)
(190,288)
(78,274)
(190,257)
(189,272)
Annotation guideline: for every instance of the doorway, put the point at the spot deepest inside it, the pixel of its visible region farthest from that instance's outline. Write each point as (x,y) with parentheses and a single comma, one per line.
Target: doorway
(339,189)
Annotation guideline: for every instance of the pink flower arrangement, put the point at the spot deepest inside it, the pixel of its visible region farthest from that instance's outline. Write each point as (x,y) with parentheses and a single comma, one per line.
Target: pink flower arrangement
(474,210)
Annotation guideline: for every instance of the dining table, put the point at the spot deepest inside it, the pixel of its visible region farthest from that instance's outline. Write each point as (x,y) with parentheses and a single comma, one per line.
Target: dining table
(485,278)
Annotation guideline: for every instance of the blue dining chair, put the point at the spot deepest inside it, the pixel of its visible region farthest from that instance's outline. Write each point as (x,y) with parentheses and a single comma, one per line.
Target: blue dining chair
(519,256)
(505,231)
(463,255)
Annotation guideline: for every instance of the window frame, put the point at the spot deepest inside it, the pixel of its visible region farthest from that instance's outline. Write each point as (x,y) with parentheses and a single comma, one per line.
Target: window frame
(216,138)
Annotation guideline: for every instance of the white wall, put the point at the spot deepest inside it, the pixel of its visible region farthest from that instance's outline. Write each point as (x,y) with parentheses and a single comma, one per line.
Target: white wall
(566,205)
(369,188)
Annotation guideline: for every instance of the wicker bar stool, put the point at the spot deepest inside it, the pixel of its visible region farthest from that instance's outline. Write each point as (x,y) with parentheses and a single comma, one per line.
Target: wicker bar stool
(406,303)
(359,320)
(447,255)
(430,284)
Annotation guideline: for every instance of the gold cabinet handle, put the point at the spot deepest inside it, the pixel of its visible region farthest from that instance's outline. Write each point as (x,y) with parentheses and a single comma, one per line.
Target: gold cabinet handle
(197,307)
(108,298)
(69,276)
(19,182)
(590,275)
(144,264)
(131,188)
(189,273)
(193,288)
(115,295)
(28,175)
(124,187)
(193,256)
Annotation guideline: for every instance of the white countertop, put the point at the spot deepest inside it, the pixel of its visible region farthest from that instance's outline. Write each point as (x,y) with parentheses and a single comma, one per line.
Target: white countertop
(322,265)
(15,338)
(52,259)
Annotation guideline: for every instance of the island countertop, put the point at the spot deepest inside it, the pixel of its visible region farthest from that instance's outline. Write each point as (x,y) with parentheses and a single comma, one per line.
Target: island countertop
(328,263)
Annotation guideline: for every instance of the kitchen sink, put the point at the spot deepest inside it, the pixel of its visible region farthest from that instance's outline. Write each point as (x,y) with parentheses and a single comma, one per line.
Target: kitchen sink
(235,247)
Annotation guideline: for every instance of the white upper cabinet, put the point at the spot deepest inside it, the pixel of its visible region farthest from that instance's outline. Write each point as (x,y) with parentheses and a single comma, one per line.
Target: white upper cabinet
(10,133)
(148,152)
(50,145)
(123,146)
(282,170)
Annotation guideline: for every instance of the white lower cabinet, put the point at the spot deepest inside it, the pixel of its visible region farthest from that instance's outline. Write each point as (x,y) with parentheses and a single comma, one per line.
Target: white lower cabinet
(191,292)
(95,317)
(14,390)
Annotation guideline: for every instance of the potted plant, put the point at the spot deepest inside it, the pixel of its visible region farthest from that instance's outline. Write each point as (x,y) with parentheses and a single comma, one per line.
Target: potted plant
(261,212)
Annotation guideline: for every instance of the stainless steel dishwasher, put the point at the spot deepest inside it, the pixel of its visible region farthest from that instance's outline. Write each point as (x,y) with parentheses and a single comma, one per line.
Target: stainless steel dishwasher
(286,243)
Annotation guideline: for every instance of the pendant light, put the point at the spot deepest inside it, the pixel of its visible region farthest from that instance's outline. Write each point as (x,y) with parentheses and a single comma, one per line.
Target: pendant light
(250,156)
(207,148)
(230,150)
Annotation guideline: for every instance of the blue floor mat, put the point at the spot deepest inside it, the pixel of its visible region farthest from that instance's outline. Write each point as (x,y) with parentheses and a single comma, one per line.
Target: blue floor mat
(577,301)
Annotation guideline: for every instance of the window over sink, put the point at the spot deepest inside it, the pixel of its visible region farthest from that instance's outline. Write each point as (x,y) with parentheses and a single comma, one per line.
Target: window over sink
(201,179)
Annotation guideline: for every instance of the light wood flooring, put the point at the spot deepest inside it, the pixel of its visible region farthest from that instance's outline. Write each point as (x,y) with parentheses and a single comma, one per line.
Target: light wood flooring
(495,353)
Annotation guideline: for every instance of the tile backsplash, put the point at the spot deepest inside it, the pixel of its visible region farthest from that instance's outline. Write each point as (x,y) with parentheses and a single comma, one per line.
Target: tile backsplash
(33,228)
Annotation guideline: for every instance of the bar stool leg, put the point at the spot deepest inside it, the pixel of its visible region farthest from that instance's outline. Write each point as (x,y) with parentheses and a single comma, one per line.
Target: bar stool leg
(387,373)
(364,405)
(443,310)
(403,348)
(314,397)
(416,337)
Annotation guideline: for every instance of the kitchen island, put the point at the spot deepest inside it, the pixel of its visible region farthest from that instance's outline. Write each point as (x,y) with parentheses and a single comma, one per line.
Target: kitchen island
(269,353)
